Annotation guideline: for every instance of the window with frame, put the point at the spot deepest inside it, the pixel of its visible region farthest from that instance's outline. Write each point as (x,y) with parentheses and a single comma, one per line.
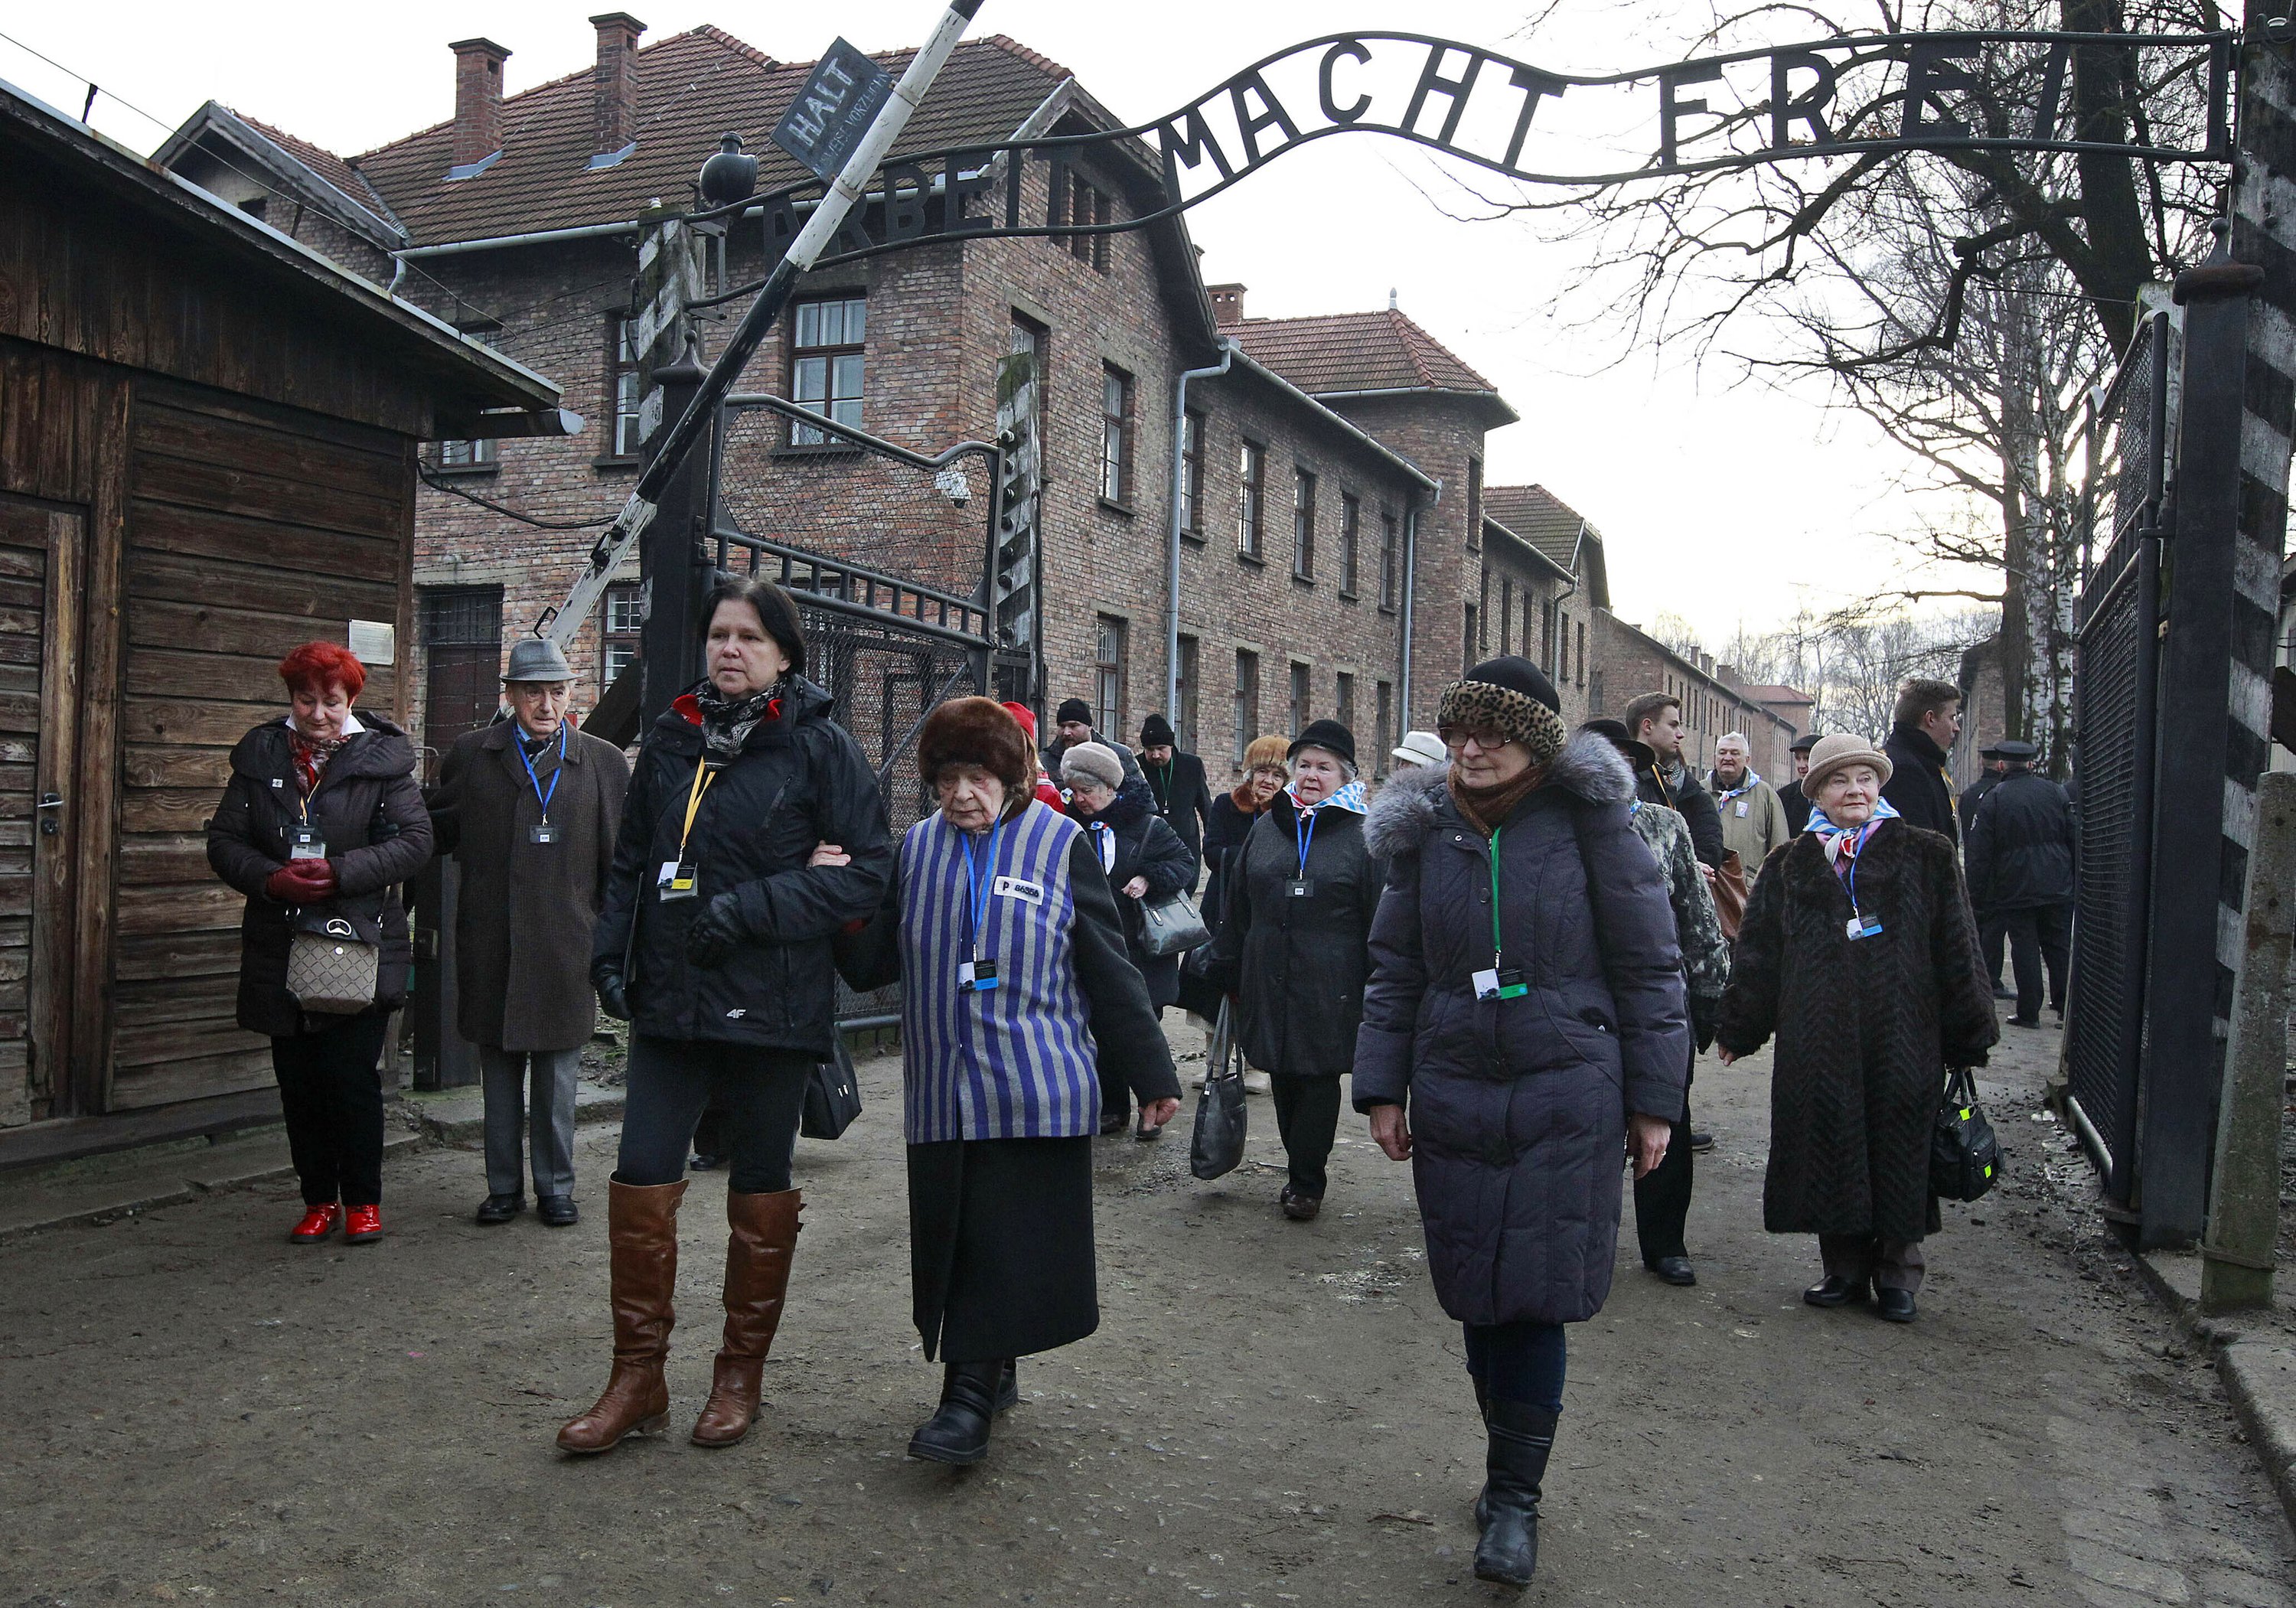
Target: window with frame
(621,631)
(1383,700)
(1582,653)
(1075,203)
(1191,474)
(1302,677)
(622,392)
(1467,642)
(1184,698)
(1247,702)
(1303,525)
(1390,560)
(1251,498)
(825,348)
(1351,536)
(1563,616)
(1506,615)
(467,455)
(1108,672)
(1474,502)
(1343,699)
(1115,434)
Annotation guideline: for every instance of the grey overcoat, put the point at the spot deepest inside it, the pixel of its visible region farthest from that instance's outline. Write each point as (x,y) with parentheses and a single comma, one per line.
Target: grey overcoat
(523,919)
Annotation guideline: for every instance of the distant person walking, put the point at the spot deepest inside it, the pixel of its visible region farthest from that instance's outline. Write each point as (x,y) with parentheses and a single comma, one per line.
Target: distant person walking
(1859,953)
(319,824)
(1791,798)
(1928,718)
(2020,872)
(1297,912)
(1047,791)
(1265,775)
(1654,720)
(1992,931)
(530,807)
(1071,725)
(1753,821)
(1176,782)
(1523,1032)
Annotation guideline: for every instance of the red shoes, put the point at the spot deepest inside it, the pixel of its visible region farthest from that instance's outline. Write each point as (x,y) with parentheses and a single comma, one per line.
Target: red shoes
(318,1222)
(363,1223)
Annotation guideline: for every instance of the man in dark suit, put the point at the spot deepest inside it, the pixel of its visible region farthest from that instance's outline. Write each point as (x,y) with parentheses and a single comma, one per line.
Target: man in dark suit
(1797,807)
(1992,931)
(2020,868)
(1654,720)
(1177,781)
(1927,718)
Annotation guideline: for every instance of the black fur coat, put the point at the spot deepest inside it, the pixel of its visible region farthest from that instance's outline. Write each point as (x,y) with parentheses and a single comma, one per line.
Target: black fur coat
(1865,1027)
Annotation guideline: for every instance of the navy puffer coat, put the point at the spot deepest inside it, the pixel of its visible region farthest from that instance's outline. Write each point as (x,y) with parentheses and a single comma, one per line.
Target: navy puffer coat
(1519,1107)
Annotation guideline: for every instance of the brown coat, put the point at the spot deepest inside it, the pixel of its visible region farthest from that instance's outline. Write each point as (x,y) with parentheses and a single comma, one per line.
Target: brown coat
(523,919)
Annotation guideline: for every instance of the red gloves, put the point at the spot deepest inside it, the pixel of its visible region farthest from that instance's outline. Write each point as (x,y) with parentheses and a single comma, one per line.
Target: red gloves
(301,882)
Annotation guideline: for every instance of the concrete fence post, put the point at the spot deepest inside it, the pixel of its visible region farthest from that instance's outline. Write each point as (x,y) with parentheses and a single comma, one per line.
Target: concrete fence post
(2244,1205)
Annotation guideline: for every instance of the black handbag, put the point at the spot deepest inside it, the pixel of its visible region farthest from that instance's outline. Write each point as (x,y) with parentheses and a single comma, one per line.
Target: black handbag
(832,1096)
(1965,1157)
(1172,925)
(1217,1146)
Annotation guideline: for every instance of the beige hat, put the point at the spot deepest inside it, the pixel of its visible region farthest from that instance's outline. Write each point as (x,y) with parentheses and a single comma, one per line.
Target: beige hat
(1421,748)
(1833,753)
(1092,762)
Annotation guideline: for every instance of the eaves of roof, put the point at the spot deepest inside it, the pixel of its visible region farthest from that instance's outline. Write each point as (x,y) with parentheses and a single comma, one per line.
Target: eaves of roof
(1530,548)
(301,167)
(1246,364)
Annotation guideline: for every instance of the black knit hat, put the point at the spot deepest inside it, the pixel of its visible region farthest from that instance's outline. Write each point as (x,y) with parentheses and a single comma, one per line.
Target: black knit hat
(1327,735)
(1072,709)
(1509,694)
(1156,732)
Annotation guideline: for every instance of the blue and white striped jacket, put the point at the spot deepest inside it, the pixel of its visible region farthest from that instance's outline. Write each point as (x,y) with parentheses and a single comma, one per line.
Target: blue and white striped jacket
(1015,1062)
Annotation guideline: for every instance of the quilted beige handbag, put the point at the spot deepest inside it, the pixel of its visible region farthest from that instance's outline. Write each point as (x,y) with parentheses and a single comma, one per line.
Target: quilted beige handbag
(331,970)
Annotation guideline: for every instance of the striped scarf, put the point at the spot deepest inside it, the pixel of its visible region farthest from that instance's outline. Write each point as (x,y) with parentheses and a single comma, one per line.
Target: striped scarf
(1843,844)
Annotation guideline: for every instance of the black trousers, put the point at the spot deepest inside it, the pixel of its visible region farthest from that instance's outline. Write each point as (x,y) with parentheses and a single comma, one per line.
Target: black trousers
(1307,1119)
(2040,936)
(330,1093)
(1992,939)
(1519,1362)
(672,1081)
(1663,1197)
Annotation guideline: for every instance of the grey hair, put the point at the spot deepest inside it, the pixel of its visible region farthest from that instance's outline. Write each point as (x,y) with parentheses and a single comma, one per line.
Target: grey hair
(1346,766)
(1739,738)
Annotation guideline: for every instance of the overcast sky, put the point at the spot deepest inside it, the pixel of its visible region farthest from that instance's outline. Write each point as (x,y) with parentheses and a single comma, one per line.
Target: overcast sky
(1722,504)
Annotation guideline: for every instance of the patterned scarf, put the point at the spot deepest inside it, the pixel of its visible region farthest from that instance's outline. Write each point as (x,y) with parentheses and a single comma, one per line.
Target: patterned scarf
(1753,779)
(726,723)
(311,757)
(1843,844)
(1349,798)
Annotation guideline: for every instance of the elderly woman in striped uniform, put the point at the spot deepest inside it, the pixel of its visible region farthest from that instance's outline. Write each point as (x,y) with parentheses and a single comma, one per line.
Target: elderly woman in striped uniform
(1015,987)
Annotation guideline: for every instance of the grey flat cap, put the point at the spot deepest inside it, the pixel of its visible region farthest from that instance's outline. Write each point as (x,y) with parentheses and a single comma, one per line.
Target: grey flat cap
(537,659)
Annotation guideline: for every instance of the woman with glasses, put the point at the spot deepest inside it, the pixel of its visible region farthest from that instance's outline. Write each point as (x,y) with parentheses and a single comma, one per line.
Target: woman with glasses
(1524,1031)
(1291,948)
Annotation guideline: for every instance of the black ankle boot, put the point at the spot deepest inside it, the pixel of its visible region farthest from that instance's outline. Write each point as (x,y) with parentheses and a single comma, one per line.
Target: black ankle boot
(1520,1436)
(959,1431)
(1008,1383)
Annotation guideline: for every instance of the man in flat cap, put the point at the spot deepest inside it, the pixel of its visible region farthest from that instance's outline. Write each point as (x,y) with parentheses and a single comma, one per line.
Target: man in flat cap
(2020,863)
(530,805)
(1790,796)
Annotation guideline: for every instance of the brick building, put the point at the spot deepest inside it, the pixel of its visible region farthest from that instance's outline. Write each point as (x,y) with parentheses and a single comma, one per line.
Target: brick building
(1337,551)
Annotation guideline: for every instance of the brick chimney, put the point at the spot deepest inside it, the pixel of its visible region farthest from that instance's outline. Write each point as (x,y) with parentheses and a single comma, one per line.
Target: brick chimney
(1227,304)
(478,99)
(614,91)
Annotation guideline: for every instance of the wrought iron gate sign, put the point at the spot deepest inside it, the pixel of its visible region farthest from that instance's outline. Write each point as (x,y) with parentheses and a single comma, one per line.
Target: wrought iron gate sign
(2003,91)
(840,99)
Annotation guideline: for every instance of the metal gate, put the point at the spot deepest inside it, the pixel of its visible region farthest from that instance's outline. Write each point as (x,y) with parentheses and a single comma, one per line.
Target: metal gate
(2116,701)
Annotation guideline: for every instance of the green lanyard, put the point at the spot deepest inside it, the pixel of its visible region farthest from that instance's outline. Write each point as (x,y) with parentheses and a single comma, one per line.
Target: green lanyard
(1517,988)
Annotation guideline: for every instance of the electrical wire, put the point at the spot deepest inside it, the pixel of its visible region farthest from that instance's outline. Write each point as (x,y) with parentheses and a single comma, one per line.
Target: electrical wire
(451,489)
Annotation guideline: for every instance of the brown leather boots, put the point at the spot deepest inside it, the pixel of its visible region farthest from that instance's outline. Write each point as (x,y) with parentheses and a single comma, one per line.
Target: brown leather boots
(642,1235)
(757,1277)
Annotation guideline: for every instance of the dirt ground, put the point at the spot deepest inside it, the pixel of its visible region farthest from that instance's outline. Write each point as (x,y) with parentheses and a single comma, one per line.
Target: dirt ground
(193,1410)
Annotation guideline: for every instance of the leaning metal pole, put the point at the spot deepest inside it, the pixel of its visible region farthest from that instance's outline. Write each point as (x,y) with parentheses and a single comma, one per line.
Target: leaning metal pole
(847,189)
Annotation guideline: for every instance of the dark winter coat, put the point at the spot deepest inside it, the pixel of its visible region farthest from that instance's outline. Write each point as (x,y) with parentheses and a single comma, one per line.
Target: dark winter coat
(525,911)
(1796,805)
(2021,845)
(1917,788)
(1518,1107)
(1224,833)
(1297,964)
(1687,796)
(369,812)
(1183,798)
(1971,796)
(1865,1027)
(1146,847)
(800,780)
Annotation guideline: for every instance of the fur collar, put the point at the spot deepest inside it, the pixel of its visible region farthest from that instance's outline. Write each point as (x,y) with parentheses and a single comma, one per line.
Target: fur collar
(1409,804)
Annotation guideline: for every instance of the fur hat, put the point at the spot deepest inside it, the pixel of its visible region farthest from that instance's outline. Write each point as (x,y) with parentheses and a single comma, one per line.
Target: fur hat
(977,731)
(1509,694)
(1263,751)
(1094,762)
(1833,753)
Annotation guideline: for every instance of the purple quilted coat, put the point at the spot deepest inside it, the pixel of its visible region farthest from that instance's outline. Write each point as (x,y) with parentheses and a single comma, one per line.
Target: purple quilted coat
(1519,1107)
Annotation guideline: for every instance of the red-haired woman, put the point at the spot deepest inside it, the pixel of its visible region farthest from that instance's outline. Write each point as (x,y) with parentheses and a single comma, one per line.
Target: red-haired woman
(320,822)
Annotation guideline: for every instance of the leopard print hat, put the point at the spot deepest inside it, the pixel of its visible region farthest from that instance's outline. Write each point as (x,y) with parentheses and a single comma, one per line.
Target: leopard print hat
(1512,695)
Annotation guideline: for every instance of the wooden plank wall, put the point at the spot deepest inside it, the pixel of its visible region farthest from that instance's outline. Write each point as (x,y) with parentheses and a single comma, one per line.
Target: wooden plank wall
(250,529)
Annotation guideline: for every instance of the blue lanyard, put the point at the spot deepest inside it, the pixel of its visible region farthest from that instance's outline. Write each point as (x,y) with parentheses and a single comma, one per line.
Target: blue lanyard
(1856,847)
(977,878)
(534,781)
(1307,835)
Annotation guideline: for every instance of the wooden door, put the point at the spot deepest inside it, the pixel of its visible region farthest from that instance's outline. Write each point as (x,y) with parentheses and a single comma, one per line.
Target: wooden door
(41,550)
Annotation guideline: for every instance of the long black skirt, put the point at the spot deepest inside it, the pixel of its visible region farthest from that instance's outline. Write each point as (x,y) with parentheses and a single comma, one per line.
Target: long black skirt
(1000,1246)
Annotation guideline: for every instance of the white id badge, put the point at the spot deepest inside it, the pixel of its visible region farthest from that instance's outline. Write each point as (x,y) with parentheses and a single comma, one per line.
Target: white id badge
(1741,809)
(676,881)
(1487,983)
(305,843)
(976,976)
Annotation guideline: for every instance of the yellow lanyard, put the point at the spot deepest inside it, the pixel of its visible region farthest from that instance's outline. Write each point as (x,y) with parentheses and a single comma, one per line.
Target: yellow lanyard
(704,774)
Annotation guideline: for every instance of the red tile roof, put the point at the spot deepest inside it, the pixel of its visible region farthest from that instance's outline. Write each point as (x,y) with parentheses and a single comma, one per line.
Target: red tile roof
(1775,692)
(325,163)
(1540,518)
(692,87)
(1382,350)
